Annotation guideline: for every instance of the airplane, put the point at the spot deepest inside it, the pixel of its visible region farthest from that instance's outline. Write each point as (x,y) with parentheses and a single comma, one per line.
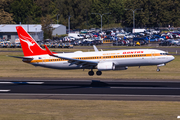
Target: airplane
(100,60)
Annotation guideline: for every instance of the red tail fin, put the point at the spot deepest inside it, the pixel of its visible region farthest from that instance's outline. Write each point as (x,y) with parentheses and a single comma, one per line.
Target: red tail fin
(28,44)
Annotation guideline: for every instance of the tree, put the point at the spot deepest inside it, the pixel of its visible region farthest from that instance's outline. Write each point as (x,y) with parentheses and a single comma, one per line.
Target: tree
(155,13)
(101,7)
(25,11)
(47,7)
(77,9)
(5,17)
(116,8)
(46,23)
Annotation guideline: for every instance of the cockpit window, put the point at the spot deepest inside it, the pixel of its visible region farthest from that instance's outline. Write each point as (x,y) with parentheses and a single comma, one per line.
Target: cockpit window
(163,53)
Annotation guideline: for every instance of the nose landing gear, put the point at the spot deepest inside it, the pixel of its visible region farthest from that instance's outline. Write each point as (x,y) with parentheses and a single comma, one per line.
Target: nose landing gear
(158,70)
(159,66)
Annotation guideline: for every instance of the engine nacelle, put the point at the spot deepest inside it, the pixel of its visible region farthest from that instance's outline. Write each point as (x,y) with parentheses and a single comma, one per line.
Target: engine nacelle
(109,66)
(121,68)
(105,66)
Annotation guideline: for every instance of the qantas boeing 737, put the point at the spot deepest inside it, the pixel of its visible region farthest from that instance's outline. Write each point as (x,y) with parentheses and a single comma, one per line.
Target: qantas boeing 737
(100,60)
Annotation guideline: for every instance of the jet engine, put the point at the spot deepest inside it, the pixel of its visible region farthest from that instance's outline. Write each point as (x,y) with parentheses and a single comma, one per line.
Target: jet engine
(109,66)
(121,68)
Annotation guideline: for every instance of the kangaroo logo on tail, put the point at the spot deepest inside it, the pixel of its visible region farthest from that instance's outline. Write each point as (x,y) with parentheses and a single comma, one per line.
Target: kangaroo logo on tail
(28,44)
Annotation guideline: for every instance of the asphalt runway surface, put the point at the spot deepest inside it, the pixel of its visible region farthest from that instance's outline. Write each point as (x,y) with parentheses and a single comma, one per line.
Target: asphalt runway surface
(90,90)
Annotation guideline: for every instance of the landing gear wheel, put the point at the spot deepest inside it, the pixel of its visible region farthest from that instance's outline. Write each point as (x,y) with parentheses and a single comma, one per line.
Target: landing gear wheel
(98,73)
(91,73)
(158,70)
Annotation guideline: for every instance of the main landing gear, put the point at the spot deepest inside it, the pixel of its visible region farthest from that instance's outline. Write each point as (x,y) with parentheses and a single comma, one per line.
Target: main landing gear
(98,73)
(91,73)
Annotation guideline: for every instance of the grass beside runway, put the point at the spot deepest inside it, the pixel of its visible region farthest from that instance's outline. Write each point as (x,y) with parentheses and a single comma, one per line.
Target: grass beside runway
(42,109)
(87,110)
(103,47)
(15,68)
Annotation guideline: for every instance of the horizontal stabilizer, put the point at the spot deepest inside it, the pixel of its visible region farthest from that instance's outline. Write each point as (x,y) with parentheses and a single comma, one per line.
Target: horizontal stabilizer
(24,59)
(15,57)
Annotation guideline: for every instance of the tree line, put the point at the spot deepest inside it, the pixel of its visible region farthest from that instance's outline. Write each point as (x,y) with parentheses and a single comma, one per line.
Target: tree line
(82,13)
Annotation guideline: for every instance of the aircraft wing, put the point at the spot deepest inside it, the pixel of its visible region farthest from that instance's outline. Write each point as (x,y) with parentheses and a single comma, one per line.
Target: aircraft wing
(84,63)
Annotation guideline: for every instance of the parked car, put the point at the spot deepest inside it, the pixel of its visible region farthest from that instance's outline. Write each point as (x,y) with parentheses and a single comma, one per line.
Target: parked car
(165,43)
(121,34)
(118,43)
(67,45)
(129,36)
(4,45)
(18,45)
(12,45)
(142,40)
(59,45)
(176,35)
(88,43)
(52,45)
(75,43)
(178,44)
(153,39)
(130,43)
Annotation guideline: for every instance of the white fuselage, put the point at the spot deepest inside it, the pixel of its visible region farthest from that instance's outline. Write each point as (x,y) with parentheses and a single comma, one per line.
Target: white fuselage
(121,58)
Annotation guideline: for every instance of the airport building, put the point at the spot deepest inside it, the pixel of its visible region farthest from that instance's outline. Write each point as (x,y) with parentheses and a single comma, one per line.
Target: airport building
(58,29)
(8,31)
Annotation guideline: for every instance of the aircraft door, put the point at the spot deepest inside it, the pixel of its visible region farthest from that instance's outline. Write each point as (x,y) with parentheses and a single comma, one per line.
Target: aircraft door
(43,60)
(153,55)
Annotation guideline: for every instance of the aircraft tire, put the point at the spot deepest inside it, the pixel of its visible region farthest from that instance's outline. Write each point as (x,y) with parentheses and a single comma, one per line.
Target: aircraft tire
(158,70)
(91,73)
(98,73)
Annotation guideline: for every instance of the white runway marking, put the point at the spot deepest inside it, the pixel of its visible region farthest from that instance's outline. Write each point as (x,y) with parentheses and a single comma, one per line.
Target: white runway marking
(144,88)
(21,82)
(5,90)
(6,83)
(178,117)
(35,82)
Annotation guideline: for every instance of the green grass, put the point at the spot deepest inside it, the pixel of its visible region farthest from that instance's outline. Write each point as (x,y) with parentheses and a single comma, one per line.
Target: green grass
(90,48)
(47,109)
(15,68)
(87,110)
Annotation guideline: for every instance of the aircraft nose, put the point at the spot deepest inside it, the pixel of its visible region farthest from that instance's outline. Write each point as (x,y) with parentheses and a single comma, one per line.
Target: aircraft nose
(172,57)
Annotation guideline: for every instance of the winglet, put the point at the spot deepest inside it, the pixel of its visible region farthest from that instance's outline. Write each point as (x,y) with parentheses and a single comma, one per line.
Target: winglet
(95,48)
(48,51)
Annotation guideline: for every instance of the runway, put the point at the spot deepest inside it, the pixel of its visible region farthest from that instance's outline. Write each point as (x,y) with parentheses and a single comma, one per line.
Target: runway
(90,90)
